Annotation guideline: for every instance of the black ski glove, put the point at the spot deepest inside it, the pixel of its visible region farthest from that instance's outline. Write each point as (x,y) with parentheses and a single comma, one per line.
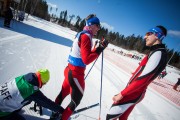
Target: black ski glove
(102,45)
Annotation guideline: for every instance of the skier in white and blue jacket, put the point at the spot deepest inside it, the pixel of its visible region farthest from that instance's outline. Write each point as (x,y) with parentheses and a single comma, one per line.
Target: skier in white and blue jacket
(21,91)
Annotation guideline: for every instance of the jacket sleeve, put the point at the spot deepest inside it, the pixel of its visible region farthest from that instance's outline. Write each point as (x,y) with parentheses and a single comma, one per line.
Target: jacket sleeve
(145,77)
(87,54)
(43,101)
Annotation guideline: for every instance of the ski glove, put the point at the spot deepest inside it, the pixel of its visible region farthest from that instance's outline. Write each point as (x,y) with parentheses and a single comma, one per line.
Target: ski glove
(102,45)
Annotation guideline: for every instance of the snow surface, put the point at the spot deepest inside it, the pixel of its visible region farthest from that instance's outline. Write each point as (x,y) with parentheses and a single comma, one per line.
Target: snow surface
(36,43)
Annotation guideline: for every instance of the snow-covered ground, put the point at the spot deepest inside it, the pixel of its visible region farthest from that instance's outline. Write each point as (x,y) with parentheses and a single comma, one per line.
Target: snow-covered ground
(36,43)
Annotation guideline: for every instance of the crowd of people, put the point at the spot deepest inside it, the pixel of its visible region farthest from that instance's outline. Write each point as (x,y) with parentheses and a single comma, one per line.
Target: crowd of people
(9,15)
(25,89)
(127,54)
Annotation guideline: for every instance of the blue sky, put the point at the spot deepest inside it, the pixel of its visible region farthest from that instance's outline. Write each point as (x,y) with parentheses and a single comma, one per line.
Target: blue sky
(128,16)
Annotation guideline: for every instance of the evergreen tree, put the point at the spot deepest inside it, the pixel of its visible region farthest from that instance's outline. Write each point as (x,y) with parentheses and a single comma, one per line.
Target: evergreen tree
(64,18)
(81,26)
(77,23)
(61,17)
(39,8)
(70,19)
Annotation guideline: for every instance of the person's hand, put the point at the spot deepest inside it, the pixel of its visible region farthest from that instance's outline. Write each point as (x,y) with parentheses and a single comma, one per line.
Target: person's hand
(102,45)
(117,98)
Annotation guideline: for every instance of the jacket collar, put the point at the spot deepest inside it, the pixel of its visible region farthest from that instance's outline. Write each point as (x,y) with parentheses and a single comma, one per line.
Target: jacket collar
(157,46)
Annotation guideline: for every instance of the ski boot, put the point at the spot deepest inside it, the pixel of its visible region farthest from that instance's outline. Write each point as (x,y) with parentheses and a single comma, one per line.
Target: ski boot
(55,116)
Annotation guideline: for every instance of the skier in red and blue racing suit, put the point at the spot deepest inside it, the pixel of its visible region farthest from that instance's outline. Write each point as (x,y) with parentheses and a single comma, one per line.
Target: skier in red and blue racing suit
(81,55)
(150,67)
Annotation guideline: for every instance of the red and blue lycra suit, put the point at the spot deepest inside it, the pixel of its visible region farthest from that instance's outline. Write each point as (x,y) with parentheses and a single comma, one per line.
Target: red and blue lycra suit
(150,67)
(74,84)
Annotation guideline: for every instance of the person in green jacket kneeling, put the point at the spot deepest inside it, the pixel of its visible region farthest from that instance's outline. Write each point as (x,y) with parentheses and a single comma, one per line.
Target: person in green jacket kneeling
(22,90)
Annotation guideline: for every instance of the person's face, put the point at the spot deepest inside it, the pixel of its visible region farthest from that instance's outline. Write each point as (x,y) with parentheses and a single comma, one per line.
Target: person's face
(95,28)
(150,39)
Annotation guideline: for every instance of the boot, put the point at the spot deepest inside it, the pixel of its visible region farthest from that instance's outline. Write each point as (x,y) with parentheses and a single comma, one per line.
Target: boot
(55,116)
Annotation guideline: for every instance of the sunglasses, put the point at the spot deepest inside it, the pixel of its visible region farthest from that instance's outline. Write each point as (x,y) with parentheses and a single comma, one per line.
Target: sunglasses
(160,36)
(98,25)
(149,33)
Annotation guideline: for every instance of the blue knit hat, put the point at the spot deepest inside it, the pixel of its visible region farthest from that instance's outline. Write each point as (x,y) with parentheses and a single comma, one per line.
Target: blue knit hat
(92,21)
(158,32)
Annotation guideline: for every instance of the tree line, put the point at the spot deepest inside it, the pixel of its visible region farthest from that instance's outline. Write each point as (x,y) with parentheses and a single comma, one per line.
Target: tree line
(39,8)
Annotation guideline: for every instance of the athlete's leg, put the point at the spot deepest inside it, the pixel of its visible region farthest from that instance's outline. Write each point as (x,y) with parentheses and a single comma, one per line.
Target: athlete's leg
(117,110)
(77,89)
(65,88)
(125,115)
(123,107)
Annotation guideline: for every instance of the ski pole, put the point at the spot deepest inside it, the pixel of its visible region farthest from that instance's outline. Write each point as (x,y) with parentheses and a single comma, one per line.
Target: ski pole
(101,88)
(85,108)
(90,68)
(93,63)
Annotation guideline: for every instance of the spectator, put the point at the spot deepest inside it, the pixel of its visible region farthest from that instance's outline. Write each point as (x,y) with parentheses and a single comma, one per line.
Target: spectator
(176,85)
(21,15)
(8,17)
(162,75)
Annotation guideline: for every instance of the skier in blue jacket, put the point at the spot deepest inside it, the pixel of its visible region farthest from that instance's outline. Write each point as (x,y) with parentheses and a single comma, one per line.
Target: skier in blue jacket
(21,91)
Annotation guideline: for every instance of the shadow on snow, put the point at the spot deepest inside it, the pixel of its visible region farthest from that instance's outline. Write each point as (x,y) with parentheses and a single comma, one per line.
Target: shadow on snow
(37,33)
